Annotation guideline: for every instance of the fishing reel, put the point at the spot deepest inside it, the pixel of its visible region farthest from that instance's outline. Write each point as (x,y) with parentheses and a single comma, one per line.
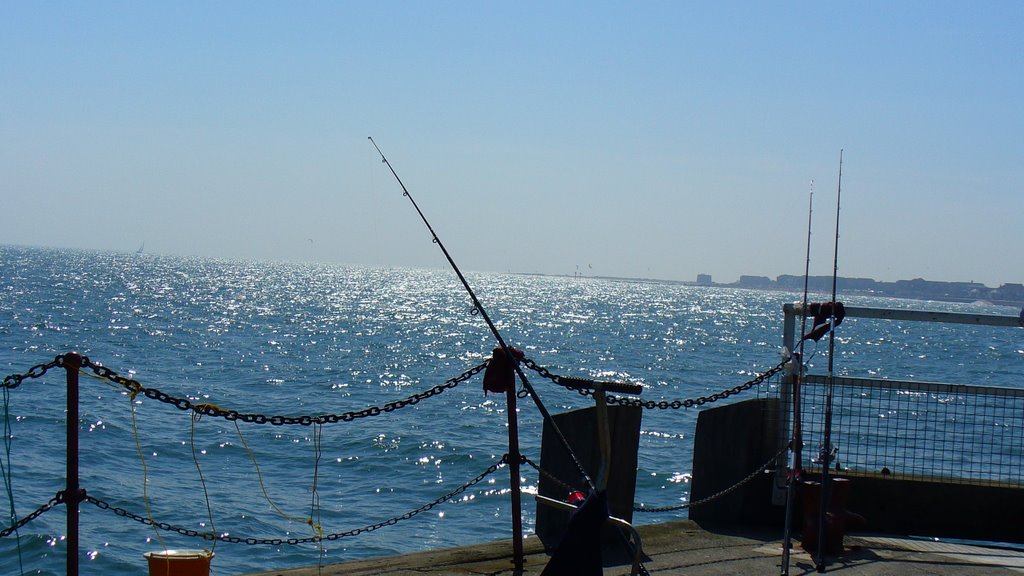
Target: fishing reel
(826,455)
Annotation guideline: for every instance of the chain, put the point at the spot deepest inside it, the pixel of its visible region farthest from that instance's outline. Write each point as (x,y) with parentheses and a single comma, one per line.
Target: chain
(721,493)
(135,388)
(663,404)
(14,380)
(294,541)
(706,500)
(550,476)
(58,499)
(11,382)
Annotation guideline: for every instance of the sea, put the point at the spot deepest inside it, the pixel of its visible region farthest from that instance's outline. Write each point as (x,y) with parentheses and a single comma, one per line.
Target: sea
(294,339)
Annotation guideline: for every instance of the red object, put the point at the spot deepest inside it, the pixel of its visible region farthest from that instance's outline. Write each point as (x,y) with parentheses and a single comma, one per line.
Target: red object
(500,375)
(576,498)
(837,517)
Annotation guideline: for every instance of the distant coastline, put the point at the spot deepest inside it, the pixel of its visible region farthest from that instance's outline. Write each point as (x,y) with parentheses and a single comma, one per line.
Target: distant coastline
(917,289)
(1009,294)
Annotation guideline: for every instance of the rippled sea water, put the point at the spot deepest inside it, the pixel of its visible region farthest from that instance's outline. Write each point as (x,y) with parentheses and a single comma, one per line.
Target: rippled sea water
(307,339)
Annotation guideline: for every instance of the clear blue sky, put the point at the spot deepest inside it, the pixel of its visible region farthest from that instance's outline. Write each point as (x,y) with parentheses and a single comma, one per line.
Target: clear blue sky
(658,139)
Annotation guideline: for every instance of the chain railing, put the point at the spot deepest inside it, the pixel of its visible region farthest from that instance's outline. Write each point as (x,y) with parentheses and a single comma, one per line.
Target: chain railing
(134,387)
(766,467)
(189,532)
(38,371)
(578,385)
(572,383)
(11,382)
(296,541)
(58,499)
(720,494)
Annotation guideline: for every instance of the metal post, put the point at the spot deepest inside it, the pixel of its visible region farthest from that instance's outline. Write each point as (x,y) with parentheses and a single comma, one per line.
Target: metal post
(603,437)
(792,380)
(789,409)
(72,363)
(514,484)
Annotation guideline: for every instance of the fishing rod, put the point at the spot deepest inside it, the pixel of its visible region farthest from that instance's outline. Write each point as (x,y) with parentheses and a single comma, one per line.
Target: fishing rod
(478,307)
(796,441)
(797,390)
(826,446)
(494,330)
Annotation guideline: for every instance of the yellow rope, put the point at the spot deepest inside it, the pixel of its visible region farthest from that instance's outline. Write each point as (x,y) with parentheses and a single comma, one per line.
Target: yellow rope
(138,449)
(318,453)
(132,393)
(105,381)
(145,470)
(263,487)
(202,479)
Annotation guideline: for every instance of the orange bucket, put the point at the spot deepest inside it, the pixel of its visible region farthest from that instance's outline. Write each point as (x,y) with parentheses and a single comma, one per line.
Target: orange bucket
(179,562)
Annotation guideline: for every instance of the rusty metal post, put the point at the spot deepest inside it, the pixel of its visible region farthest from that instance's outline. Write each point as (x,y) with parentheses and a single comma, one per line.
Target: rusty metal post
(514,484)
(72,363)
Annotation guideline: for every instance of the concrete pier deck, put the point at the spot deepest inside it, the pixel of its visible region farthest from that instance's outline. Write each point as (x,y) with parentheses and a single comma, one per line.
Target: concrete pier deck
(683,547)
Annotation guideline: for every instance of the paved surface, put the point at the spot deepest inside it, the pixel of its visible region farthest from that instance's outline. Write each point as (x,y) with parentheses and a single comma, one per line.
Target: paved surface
(683,547)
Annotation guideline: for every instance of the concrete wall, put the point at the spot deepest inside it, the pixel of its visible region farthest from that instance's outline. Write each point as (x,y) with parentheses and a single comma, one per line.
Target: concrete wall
(580,429)
(733,440)
(940,509)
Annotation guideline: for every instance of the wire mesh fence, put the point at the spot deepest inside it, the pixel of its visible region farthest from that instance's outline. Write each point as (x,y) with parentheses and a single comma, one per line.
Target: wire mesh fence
(892,425)
(920,430)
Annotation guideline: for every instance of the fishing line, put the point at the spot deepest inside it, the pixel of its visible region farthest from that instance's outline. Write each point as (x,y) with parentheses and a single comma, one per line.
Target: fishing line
(796,441)
(259,476)
(376,204)
(513,361)
(145,469)
(314,513)
(138,449)
(826,446)
(797,425)
(202,479)
(7,472)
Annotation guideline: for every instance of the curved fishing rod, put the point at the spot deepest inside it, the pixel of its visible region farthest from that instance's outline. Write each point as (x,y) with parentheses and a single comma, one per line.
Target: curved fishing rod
(797,424)
(494,329)
(826,446)
(796,440)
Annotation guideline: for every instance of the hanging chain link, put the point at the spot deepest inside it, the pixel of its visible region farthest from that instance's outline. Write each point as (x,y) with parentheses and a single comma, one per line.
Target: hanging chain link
(58,499)
(564,485)
(102,505)
(566,382)
(135,388)
(14,380)
(722,493)
(711,498)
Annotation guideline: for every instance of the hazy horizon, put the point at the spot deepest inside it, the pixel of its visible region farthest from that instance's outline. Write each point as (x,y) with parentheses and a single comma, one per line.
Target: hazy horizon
(659,140)
(445,267)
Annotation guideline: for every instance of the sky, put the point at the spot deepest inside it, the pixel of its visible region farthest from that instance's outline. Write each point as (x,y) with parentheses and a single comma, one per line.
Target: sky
(648,139)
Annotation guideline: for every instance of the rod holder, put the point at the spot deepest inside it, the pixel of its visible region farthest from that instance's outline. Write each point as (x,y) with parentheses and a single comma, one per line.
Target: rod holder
(588,384)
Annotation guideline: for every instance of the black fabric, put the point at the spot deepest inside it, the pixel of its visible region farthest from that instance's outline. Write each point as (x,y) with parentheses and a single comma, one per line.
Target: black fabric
(823,313)
(579,552)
